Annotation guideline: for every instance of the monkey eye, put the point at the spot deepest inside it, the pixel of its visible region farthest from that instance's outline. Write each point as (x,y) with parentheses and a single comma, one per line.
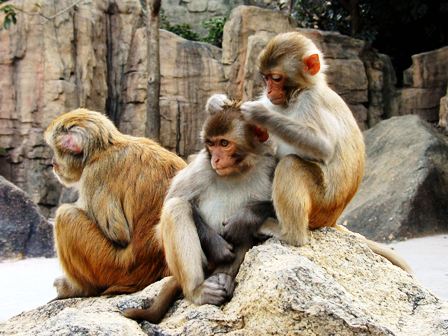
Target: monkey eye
(276,77)
(224,143)
(209,142)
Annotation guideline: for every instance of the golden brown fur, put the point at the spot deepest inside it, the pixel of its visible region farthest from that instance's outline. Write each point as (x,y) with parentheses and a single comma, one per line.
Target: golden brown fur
(318,141)
(105,241)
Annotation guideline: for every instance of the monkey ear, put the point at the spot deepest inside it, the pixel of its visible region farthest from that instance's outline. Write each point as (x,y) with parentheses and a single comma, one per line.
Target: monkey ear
(312,64)
(261,133)
(71,142)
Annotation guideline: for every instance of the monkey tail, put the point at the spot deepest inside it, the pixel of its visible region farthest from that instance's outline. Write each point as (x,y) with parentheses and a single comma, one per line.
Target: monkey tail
(380,249)
(154,314)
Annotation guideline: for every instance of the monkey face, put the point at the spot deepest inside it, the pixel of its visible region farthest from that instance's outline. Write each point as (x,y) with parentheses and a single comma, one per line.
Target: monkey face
(224,157)
(275,84)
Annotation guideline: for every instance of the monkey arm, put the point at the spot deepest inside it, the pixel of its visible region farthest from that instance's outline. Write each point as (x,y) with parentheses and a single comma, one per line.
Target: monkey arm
(216,103)
(310,141)
(216,249)
(191,181)
(242,228)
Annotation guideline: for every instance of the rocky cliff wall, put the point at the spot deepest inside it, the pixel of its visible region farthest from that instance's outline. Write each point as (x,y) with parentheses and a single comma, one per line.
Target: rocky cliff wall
(93,55)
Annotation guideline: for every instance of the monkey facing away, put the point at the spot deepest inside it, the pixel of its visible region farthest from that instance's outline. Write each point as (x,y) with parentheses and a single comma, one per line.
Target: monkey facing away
(319,144)
(106,240)
(225,191)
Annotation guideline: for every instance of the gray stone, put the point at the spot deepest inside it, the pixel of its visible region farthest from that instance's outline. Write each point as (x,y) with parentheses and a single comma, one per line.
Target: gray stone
(24,232)
(404,192)
(333,286)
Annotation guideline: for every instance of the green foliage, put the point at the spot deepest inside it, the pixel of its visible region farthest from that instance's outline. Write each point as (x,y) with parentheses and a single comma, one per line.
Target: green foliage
(9,14)
(3,151)
(183,30)
(215,27)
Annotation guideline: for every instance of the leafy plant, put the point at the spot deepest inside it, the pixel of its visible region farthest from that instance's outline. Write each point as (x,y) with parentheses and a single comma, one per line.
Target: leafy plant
(215,27)
(183,29)
(9,14)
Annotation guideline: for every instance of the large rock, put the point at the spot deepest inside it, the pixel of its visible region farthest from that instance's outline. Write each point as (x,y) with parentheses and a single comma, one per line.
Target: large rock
(382,93)
(405,188)
(23,230)
(334,286)
(425,82)
(443,112)
(51,66)
(250,28)
(190,72)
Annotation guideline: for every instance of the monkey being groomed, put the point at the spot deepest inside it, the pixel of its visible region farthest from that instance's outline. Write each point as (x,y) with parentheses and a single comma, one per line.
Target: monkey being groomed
(225,191)
(318,141)
(106,240)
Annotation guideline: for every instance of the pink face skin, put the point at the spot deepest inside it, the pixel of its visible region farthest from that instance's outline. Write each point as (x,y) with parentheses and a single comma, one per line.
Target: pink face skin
(275,82)
(221,151)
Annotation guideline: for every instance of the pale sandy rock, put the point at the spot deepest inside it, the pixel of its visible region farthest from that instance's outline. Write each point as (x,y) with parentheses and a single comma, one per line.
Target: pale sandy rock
(429,69)
(443,113)
(425,84)
(334,286)
(245,21)
(423,102)
(250,28)
(190,72)
(53,66)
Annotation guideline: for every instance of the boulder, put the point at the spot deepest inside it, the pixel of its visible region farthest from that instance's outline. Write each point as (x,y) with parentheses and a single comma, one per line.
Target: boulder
(404,192)
(443,112)
(24,232)
(333,286)
(425,82)
(250,28)
(190,72)
(52,66)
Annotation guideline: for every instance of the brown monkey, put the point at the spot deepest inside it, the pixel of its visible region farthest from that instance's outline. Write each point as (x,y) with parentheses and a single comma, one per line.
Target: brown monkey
(106,240)
(226,190)
(318,141)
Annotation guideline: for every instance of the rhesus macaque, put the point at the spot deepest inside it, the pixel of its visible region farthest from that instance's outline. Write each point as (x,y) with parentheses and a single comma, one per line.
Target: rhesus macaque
(318,141)
(225,191)
(106,240)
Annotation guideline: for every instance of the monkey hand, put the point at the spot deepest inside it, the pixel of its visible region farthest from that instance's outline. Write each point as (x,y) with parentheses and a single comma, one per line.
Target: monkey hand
(216,103)
(219,251)
(255,111)
(215,290)
(239,229)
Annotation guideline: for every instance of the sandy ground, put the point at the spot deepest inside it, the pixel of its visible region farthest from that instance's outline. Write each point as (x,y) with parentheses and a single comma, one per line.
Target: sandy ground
(27,284)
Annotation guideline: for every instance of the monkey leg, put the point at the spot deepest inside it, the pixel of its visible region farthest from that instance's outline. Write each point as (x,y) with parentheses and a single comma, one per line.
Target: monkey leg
(297,187)
(183,252)
(90,261)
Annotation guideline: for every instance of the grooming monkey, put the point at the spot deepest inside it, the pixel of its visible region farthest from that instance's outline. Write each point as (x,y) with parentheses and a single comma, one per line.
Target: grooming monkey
(225,191)
(106,240)
(318,141)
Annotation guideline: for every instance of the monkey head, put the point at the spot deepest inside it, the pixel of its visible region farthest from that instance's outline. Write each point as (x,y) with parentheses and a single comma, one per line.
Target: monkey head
(289,62)
(75,137)
(231,142)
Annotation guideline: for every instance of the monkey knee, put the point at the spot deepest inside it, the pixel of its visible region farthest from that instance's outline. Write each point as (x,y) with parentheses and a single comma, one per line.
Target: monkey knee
(286,164)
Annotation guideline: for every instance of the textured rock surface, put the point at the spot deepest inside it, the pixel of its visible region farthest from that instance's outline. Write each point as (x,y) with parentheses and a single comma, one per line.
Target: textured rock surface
(382,93)
(250,28)
(190,72)
(51,66)
(195,12)
(334,286)
(443,112)
(405,188)
(24,232)
(425,83)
